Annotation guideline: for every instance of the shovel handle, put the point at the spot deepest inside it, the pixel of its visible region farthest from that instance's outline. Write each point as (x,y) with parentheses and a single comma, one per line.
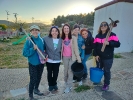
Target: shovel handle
(94,62)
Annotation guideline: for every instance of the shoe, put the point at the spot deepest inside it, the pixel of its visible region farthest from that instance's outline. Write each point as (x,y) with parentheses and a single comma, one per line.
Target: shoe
(54,92)
(105,87)
(55,87)
(36,91)
(74,81)
(80,83)
(67,90)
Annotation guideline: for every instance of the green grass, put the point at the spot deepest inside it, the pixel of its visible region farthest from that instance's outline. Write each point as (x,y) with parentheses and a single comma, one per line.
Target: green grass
(132,51)
(13,61)
(11,55)
(82,88)
(117,56)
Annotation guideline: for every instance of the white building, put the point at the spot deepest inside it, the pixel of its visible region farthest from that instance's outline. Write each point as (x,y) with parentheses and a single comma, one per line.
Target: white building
(121,10)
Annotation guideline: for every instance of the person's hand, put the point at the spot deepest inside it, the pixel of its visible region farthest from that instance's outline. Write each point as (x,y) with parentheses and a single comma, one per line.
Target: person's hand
(83,47)
(97,58)
(35,47)
(79,61)
(106,43)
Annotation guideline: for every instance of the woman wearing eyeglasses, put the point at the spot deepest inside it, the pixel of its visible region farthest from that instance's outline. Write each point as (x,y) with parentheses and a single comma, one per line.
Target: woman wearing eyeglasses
(105,58)
(70,54)
(53,44)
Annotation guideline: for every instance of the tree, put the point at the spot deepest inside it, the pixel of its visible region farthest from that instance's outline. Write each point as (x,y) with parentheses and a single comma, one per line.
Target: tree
(71,23)
(17,26)
(3,26)
(86,19)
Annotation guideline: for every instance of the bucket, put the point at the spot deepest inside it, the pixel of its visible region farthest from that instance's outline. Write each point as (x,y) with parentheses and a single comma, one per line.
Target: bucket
(96,74)
(77,69)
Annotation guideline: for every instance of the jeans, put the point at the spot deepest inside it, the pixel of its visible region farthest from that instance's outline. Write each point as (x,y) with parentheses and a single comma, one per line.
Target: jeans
(106,66)
(84,63)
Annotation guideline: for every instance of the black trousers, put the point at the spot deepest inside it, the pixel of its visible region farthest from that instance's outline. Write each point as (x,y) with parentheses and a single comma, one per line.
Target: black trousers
(52,73)
(35,77)
(106,66)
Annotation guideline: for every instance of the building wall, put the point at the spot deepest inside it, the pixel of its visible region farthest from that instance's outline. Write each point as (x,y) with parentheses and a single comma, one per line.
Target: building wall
(123,12)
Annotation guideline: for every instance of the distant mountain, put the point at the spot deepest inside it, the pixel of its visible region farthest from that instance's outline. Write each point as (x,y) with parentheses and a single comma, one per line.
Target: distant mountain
(29,24)
(5,22)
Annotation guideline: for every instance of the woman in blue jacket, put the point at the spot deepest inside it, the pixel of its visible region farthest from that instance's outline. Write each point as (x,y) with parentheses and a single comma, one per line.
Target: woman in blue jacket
(35,65)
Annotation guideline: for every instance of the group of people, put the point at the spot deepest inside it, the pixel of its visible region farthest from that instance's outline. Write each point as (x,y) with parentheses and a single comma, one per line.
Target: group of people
(70,46)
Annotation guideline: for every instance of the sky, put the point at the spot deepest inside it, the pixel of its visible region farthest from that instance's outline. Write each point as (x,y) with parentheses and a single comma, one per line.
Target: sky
(45,10)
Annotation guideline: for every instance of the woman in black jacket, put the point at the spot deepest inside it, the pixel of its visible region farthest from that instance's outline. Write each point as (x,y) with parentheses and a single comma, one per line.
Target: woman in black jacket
(105,58)
(88,39)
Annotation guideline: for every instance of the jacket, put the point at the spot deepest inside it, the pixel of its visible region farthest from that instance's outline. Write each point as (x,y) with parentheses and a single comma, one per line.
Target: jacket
(109,49)
(80,42)
(54,54)
(28,50)
(88,45)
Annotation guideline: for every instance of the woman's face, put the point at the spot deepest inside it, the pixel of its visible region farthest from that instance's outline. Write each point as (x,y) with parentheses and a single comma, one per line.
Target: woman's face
(84,34)
(76,31)
(103,27)
(66,30)
(35,32)
(54,33)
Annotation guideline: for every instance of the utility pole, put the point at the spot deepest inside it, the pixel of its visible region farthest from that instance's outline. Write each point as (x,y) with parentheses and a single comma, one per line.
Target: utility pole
(7,12)
(15,15)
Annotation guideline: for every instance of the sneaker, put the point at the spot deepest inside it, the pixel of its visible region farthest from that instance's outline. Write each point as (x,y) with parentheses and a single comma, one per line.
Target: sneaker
(80,83)
(36,91)
(54,92)
(67,90)
(55,87)
(74,81)
(105,87)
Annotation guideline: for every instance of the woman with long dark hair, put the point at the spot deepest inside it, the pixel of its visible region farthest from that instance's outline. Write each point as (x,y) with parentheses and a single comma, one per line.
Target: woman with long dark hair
(70,55)
(105,58)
